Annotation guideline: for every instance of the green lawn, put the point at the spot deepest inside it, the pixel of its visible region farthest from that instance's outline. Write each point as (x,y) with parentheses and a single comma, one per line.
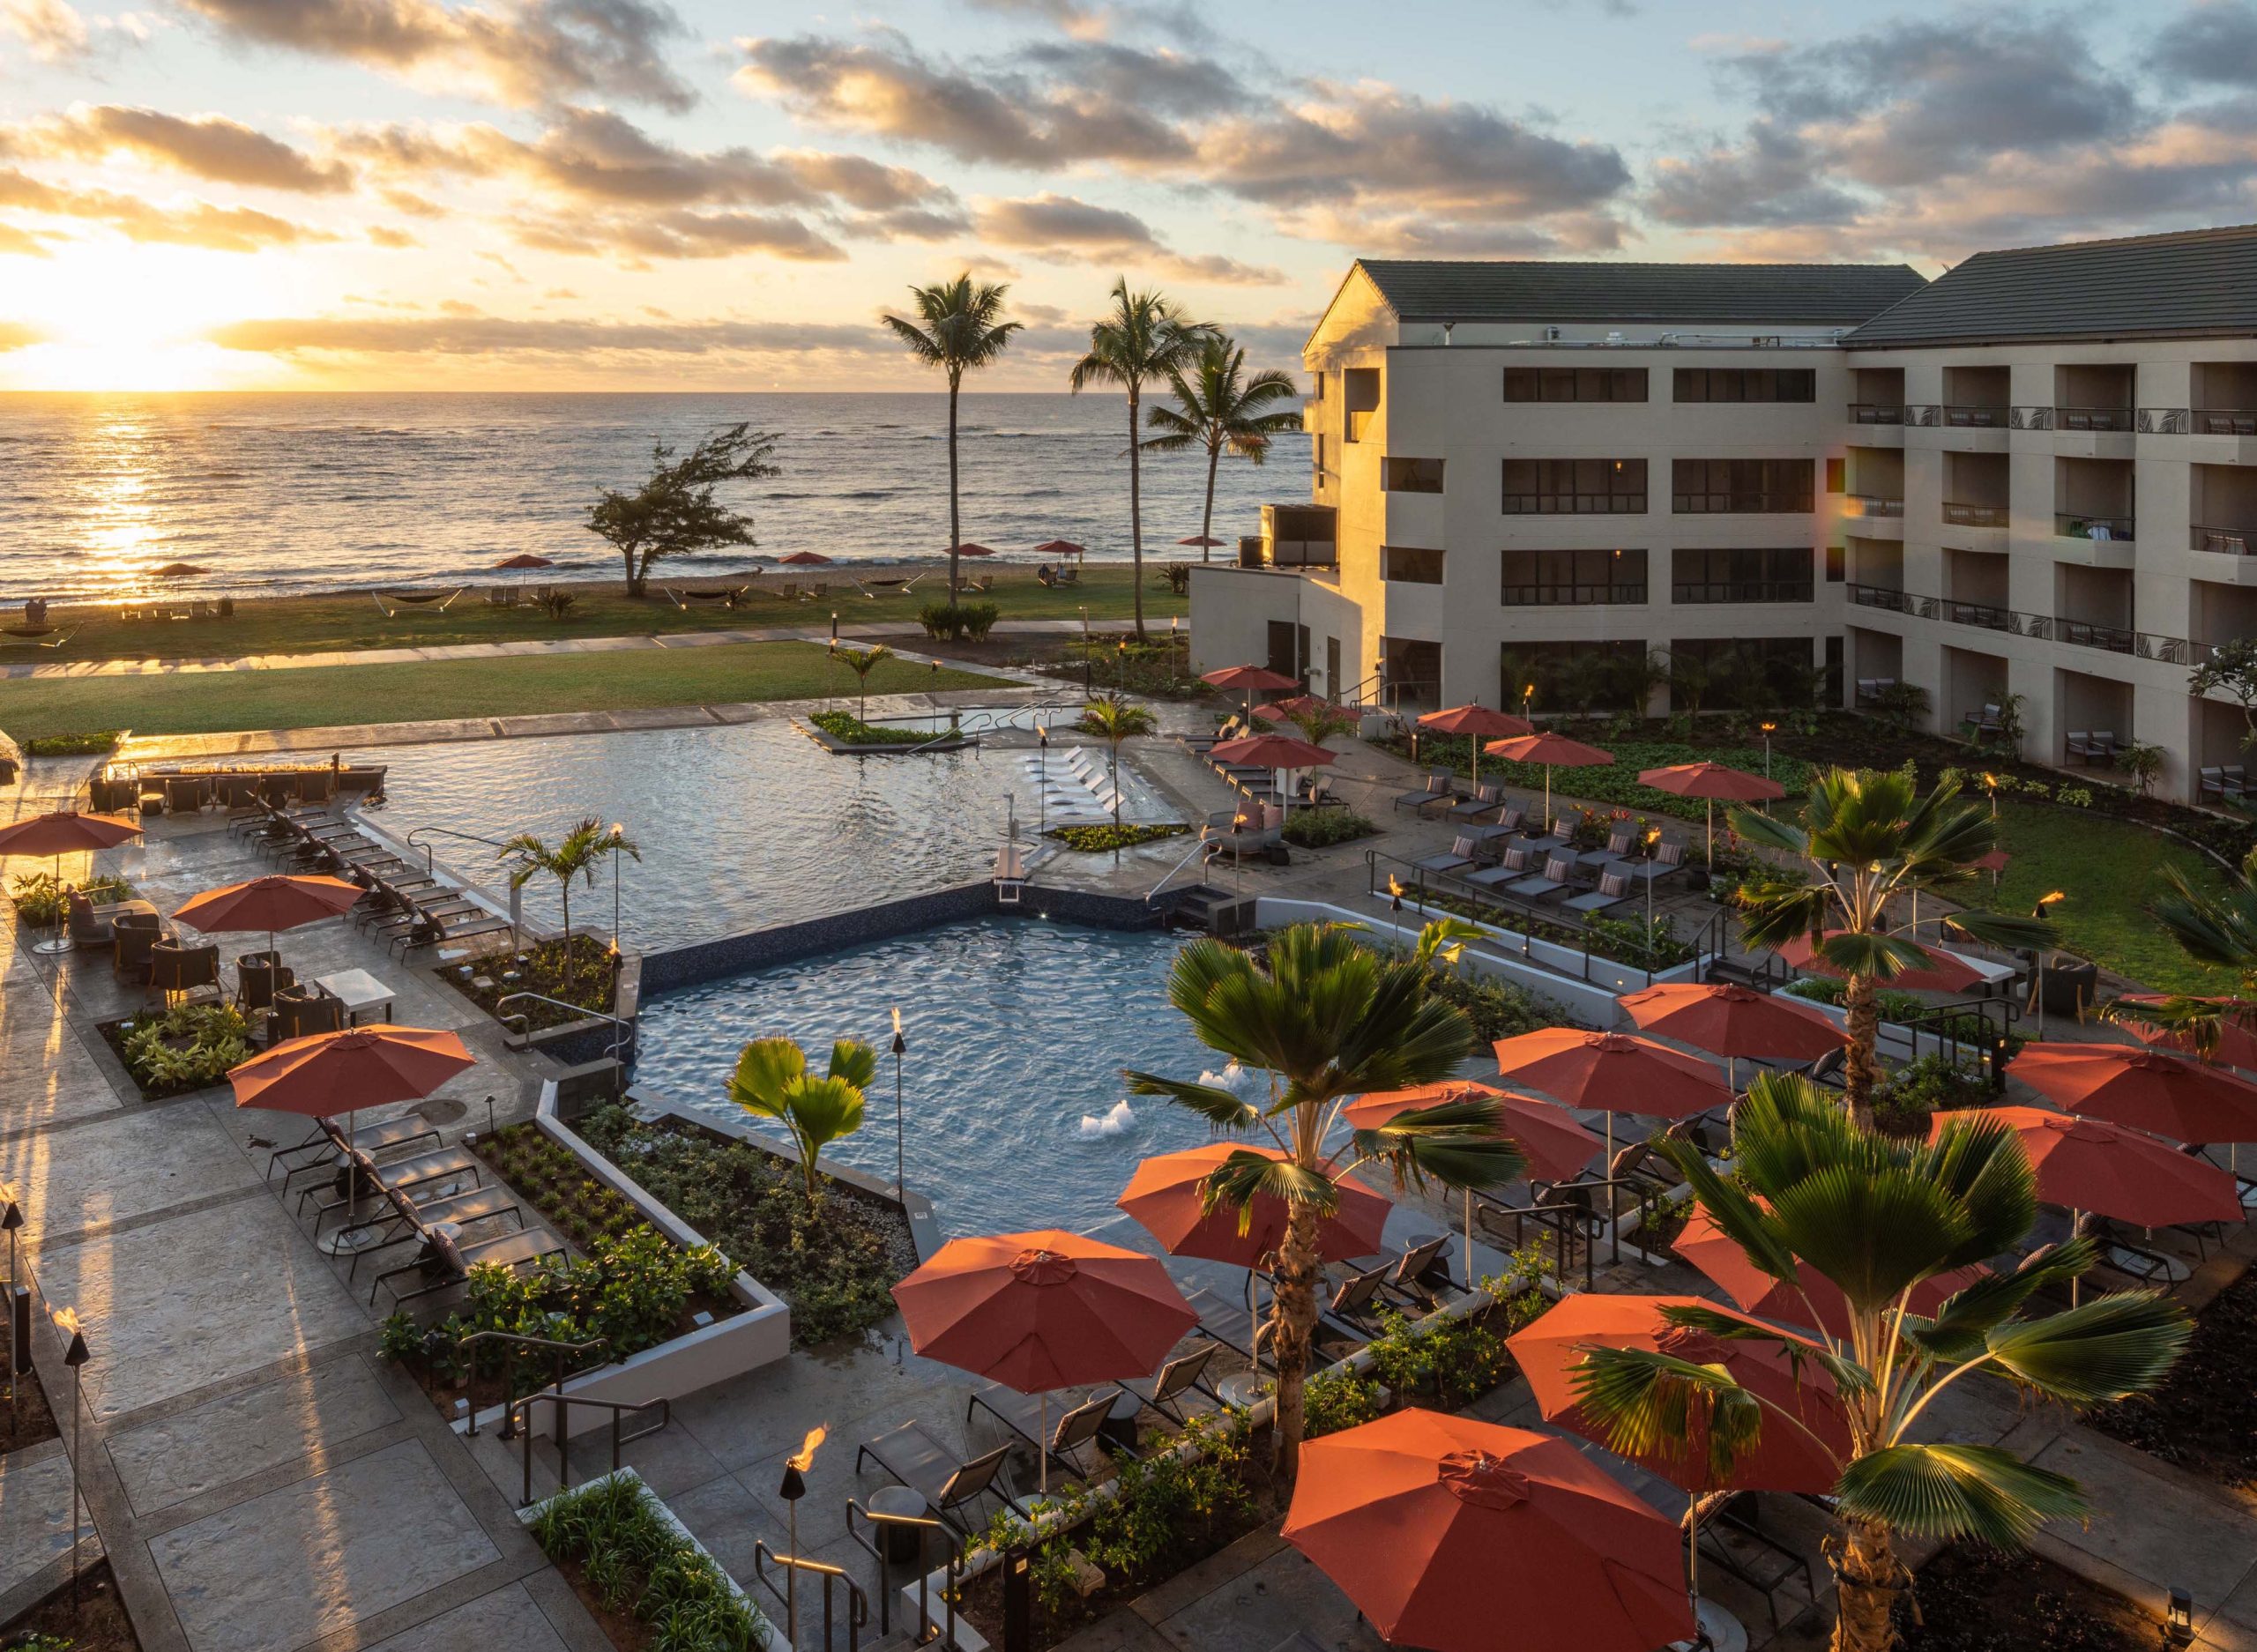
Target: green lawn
(2111,872)
(319,696)
(317,624)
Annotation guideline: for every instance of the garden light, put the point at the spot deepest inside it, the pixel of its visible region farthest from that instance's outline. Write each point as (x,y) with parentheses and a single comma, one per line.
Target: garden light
(2179,1619)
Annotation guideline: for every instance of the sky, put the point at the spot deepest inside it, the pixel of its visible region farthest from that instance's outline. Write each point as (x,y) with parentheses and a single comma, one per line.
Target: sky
(695,194)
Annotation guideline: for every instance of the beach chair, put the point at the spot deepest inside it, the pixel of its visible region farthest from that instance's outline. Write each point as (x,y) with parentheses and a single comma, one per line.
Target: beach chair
(1227,1321)
(1185,1374)
(1668,860)
(1411,1275)
(1436,789)
(1556,879)
(949,1483)
(444,1262)
(1355,1306)
(1508,823)
(1512,865)
(1459,858)
(1614,890)
(1484,798)
(400,1175)
(1618,848)
(328,1142)
(404,1218)
(1077,1426)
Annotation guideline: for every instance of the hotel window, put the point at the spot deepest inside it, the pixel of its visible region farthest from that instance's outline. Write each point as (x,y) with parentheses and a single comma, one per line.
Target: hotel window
(1772,574)
(1746,384)
(1574,384)
(1545,579)
(1316,450)
(1410,564)
(1837,476)
(1567,488)
(1410,476)
(1837,559)
(1701,485)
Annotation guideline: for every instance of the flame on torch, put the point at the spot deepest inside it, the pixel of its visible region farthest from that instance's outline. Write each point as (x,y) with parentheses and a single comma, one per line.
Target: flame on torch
(803,1459)
(66,1320)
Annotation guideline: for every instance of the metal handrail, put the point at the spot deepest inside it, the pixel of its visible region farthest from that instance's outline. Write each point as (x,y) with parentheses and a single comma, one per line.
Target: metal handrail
(953,1570)
(858,1604)
(510,1339)
(623,1031)
(429,860)
(519,1415)
(2176,650)
(1201,847)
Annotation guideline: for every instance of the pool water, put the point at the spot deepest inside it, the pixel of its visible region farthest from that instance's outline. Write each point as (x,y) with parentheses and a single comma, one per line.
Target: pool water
(741,827)
(1018,1030)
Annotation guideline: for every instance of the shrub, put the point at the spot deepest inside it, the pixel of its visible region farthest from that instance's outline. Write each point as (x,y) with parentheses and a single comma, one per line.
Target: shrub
(91,744)
(1340,1398)
(558,605)
(39,897)
(1496,1010)
(951,621)
(189,1048)
(849,730)
(1322,827)
(1090,838)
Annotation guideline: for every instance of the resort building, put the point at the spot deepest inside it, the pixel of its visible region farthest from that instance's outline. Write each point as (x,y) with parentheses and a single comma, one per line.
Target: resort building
(1621,483)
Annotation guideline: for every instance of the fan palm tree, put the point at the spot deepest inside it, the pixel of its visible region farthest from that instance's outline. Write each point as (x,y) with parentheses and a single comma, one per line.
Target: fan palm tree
(773,1080)
(1143,338)
(2217,928)
(583,847)
(1221,410)
(1868,839)
(1329,1018)
(1812,1194)
(960,333)
(1114,720)
(863,662)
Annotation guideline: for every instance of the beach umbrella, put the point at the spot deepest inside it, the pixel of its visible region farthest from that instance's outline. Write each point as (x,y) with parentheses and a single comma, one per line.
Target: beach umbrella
(179,570)
(1044,1310)
(65,833)
(1060,547)
(274,902)
(1711,781)
(1612,1072)
(2236,1042)
(1273,751)
(2147,1089)
(969,549)
(1166,1197)
(522,560)
(1251,680)
(2117,1172)
(1480,723)
(805,559)
(1805,1461)
(1814,1303)
(1946,972)
(1444,1530)
(1205,541)
(1734,1021)
(1296,705)
(1552,751)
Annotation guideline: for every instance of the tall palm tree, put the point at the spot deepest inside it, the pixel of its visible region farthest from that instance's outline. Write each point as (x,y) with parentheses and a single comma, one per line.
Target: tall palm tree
(1219,409)
(1812,1194)
(772,1080)
(1143,338)
(1327,1019)
(960,334)
(1114,719)
(1868,838)
(863,662)
(583,847)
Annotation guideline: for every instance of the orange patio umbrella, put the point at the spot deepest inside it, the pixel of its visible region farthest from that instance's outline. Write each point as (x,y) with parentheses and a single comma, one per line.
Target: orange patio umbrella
(1166,1197)
(1273,751)
(2236,1044)
(66,833)
(1705,1246)
(971,549)
(1804,1439)
(1480,723)
(1947,972)
(1247,680)
(2112,1170)
(273,904)
(1060,547)
(1296,705)
(1614,1073)
(1044,1310)
(1732,1021)
(2147,1089)
(1205,541)
(1460,1535)
(805,559)
(1552,751)
(524,560)
(1711,781)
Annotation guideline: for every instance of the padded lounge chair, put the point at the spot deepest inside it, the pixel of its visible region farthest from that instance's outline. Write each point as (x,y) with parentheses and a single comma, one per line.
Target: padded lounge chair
(1505,823)
(1668,860)
(321,1148)
(405,1219)
(1614,890)
(1436,789)
(1557,878)
(444,1263)
(1074,1428)
(1185,1374)
(1511,866)
(950,1484)
(1225,1319)
(1486,797)
(1355,1306)
(1459,858)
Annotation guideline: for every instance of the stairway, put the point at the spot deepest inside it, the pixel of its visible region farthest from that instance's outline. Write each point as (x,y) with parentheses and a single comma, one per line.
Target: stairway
(1212,912)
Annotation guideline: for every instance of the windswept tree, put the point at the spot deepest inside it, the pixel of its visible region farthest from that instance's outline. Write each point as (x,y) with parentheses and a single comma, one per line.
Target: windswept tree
(1143,338)
(1219,409)
(586,846)
(1327,1019)
(1868,847)
(957,331)
(863,662)
(674,512)
(772,1079)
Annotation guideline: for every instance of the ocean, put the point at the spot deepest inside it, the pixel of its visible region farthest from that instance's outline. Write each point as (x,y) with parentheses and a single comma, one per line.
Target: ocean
(278,493)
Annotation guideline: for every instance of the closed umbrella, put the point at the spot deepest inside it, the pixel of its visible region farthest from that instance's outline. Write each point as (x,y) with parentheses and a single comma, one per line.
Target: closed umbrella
(1613,1072)
(1167,1198)
(1480,723)
(1945,971)
(1732,1021)
(1552,751)
(66,833)
(1043,1310)
(2147,1089)
(271,903)
(1460,1535)
(1711,781)
(1815,1302)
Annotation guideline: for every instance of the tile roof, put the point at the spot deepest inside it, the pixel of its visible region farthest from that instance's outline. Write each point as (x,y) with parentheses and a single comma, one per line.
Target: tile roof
(1676,294)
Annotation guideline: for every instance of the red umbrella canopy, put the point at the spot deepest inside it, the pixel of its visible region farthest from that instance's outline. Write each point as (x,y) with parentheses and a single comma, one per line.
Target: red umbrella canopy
(1166,1196)
(1615,1072)
(1557,750)
(2124,1174)
(1705,1246)
(525,559)
(2236,1044)
(1807,1459)
(270,904)
(1298,705)
(1060,547)
(1947,972)
(1259,678)
(329,1072)
(2145,1088)
(1205,540)
(1043,1310)
(1479,721)
(1724,1019)
(1272,751)
(970,549)
(68,833)
(1554,1143)
(1711,780)
(1439,1529)
(806,558)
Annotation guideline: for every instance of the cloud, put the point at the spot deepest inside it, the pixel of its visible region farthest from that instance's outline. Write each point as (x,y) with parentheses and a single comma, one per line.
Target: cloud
(15,336)
(190,224)
(412,203)
(484,335)
(519,53)
(208,146)
(1065,229)
(383,236)
(679,234)
(22,243)
(51,30)
(2215,44)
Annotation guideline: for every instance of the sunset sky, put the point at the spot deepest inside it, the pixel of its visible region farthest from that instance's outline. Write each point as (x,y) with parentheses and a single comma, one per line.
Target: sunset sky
(583,194)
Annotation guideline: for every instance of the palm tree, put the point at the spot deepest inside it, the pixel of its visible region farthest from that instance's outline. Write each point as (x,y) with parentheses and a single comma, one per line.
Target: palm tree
(1812,1194)
(1219,409)
(1868,839)
(960,335)
(863,662)
(1114,720)
(1143,338)
(1327,1019)
(586,846)
(2215,927)
(772,1080)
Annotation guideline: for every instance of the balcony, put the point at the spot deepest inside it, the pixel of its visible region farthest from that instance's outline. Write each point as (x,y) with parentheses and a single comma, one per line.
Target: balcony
(2228,542)
(1742,590)
(2175,650)
(1966,416)
(1967,516)
(2079,419)
(1871,413)
(1872,505)
(2077,525)
(1980,614)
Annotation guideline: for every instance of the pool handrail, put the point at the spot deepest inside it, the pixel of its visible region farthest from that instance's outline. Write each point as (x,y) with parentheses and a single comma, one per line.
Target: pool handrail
(622,1032)
(1201,847)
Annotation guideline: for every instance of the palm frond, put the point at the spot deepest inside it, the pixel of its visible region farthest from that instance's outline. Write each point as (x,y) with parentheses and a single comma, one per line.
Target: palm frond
(1218,1106)
(1652,1403)
(1953,1492)
(1235,1183)
(2102,1350)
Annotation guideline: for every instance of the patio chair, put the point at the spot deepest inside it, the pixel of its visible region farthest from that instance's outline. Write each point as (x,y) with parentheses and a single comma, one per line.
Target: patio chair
(1316,793)
(180,972)
(1732,1541)
(2213,784)
(2237,782)
(1512,866)
(1667,861)
(1556,879)
(398,1175)
(300,1012)
(2080,745)
(1436,789)
(186,794)
(1354,1308)
(1230,728)
(2104,748)
(1509,817)
(1539,842)
(446,930)
(949,1482)
(1411,1277)
(136,936)
(1186,1373)
(95,924)
(328,1140)
(259,977)
(1459,858)
(1075,1427)
(404,1218)
(444,1262)
(1617,848)
(1484,798)
(1227,1321)
(1614,890)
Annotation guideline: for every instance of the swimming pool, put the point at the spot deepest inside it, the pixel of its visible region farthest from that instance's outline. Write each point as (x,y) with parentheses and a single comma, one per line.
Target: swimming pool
(1018,1030)
(741,827)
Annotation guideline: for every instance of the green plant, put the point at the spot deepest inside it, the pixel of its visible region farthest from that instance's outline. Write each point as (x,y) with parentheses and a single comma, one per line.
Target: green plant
(1497,1010)
(1168,1505)
(1116,720)
(399,1338)
(952,621)
(1091,839)
(1220,410)
(91,744)
(1178,575)
(1322,827)
(39,898)
(577,854)
(42,1642)
(863,662)
(189,1047)
(772,1080)
(634,1562)
(558,605)
(1932,1083)
(957,330)
(1338,1398)
(674,513)
(849,730)
(1903,706)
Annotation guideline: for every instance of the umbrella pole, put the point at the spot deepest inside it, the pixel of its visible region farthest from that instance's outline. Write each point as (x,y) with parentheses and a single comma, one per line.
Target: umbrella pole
(1468,1239)
(1042,1441)
(1712,833)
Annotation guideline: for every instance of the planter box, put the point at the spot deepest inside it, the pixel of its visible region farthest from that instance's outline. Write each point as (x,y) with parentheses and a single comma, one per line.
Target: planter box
(533,1511)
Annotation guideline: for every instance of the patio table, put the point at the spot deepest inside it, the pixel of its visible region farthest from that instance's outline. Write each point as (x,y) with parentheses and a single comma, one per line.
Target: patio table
(359,991)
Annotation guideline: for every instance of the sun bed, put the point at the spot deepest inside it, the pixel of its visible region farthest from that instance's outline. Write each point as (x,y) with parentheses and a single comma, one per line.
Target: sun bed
(1075,1427)
(446,1263)
(1614,890)
(1186,1374)
(1436,789)
(1556,879)
(1459,857)
(401,1175)
(949,1482)
(328,1141)
(407,1219)
(1486,797)
(1512,865)
(1226,1321)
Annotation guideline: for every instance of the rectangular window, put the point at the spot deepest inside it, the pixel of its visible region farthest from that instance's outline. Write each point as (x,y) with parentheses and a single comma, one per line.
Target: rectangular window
(1699,487)
(1317,449)
(1837,476)
(1770,574)
(1316,387)
(1567,488)
(1746,384)
(1410,476)
(1837,559)
(1410,564)
(1545,579)
(1574,384)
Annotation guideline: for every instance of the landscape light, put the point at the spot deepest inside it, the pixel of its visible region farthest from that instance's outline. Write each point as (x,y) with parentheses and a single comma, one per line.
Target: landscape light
(2179,1619)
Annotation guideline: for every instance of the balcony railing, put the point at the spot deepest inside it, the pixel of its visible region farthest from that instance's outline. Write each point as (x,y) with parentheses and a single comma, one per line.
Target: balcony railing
(2092,417)
(1926,414)
(1741,590)
(1871,505)
(1965,515)
(2162,421)
(2224,421)
(1978,613)
(2077,525)
(2115,639)
(1874,413)
(1972,416)
(1569,595)
(2174,650)
(1573,504)
(2030,418)
(2230,541)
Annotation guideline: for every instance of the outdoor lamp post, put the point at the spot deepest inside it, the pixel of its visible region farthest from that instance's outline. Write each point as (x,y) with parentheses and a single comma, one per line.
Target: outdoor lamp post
(2179,1619)
(1527,700)
(1653,836)
(618,837)
(2041,912)
(19,1303)
(1769,729)
(1042,779)
(900,1153)
(75,1357)
(1085,648)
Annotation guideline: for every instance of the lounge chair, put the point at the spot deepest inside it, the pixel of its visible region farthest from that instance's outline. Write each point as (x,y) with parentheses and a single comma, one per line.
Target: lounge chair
(1614,890)
(2213,781)
(2080,745)
(1436,789)
(1667,860)
(444,1262)
(1226,1321)
(1512,865)
(1484,798)
(950,1484)
(401,1175)
(1075,1427)
(1355,1306)
(1458,859)
(328,1140)
(1185,1374)
(2103,748)
(2237,782)
(1557,878)
(1617,848)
